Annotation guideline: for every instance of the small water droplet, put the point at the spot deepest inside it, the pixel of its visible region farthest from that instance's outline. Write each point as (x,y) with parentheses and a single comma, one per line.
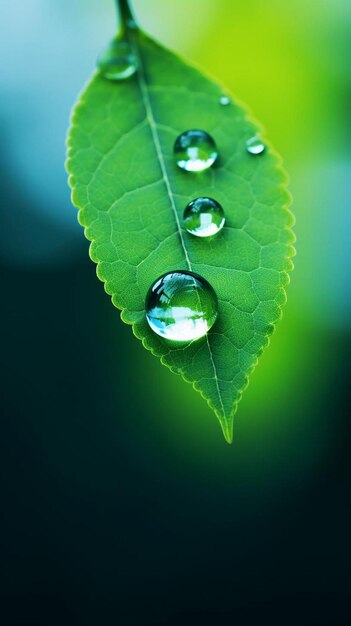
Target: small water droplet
(224,100)
(203,217)
(195,151)
(255,146)
(119,61)
(181,306)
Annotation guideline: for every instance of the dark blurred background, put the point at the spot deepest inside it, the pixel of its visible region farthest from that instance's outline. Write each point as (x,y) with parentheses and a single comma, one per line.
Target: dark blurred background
(120,501)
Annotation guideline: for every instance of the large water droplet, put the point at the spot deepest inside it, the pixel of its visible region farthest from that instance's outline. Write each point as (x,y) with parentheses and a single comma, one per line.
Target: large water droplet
(181,306)
(195,150)
(204,217)
(119,61)
(255,146)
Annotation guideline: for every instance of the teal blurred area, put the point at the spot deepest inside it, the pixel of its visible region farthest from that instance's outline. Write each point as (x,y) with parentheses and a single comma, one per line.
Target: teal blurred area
(121,502)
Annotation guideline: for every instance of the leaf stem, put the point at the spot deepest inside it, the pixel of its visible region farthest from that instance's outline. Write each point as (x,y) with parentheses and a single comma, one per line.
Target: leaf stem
(126,16)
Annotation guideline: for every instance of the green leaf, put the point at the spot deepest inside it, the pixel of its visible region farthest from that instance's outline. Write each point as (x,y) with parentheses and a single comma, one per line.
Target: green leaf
(131,197)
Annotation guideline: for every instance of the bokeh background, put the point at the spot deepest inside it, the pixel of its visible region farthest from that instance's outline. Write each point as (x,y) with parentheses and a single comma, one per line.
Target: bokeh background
(120,501)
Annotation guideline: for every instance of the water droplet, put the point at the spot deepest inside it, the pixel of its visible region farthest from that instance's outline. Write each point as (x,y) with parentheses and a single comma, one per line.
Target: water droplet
(119,61)
(255,146)
(204,217)
(225,100)
(195,151)
(181,306)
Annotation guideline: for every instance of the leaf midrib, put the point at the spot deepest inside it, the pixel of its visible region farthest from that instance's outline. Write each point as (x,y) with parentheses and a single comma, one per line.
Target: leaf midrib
(143,85)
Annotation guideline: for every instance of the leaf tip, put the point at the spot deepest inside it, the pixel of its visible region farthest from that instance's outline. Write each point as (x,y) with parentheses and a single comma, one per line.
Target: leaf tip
(227,429)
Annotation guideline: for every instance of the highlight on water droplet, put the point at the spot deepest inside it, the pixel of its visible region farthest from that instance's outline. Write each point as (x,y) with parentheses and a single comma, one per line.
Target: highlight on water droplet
(195,151)
(224,100)
(255,146)
(181,306)
(118,61)
(203,217)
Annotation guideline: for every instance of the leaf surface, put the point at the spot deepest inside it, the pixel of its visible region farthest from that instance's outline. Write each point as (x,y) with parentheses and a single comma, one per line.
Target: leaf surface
(131,197)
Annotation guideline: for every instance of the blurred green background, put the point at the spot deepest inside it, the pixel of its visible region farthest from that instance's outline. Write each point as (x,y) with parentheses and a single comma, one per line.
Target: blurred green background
(120,501)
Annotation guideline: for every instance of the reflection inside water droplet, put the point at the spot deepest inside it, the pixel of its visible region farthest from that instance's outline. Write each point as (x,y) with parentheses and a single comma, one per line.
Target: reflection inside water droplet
(204,217)
(119,61)
(195,151)
(181,306)
(255,146)
(224,100)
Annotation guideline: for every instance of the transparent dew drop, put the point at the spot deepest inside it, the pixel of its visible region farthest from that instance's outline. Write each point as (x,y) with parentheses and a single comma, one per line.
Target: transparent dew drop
(195,151)
(181,306)
(224,100)
(255,146)
(119,61)
(203,217)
